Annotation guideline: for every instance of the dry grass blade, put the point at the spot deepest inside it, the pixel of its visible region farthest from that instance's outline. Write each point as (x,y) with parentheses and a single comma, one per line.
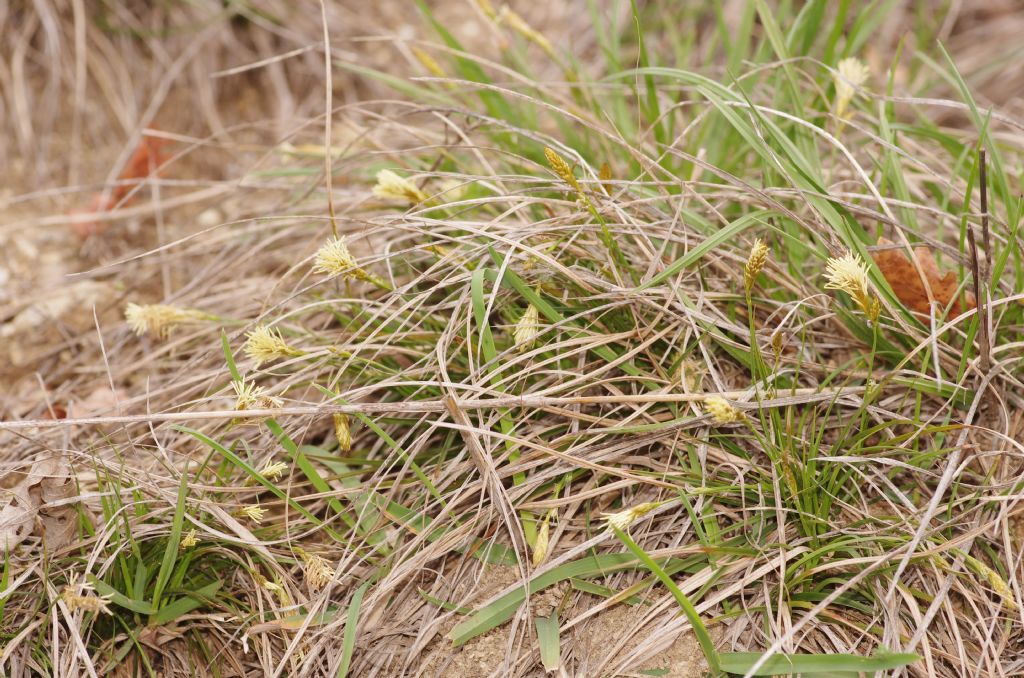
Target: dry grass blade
(496,371)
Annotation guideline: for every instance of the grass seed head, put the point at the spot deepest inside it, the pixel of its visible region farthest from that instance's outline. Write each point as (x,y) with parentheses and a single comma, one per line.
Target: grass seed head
(429,63)
(272,586)
(391,186)
(333,258)
(995,581)
(519,25)
(265,344)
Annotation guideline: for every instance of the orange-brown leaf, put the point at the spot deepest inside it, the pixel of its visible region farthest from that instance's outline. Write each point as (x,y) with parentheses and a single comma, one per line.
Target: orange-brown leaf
(146,159)
(905,280)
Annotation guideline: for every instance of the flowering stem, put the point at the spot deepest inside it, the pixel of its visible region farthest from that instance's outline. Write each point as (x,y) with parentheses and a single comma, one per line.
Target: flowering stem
(703,637)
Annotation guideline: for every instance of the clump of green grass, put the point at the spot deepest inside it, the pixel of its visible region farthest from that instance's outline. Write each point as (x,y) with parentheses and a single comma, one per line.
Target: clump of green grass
(487,359)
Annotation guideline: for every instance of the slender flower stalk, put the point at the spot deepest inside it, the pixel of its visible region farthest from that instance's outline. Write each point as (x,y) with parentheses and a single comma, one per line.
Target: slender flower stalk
(391,186)
(160,319)
(272,586)
(722,411)
(519,25)
(849,274)
(264,344)
(560,167)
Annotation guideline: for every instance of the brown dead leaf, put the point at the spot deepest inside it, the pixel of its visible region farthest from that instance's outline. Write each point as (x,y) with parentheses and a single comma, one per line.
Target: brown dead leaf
(146,160)
(28,495)
(906,282)
(16,518)
(59,523)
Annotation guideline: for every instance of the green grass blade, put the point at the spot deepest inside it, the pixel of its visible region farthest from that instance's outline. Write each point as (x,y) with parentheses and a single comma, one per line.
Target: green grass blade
(549,641)
(351,630)
(185,604)
(171,550)
(811,664)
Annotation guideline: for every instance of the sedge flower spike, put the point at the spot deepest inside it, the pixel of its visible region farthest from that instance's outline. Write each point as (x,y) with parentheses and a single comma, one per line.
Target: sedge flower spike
(273,470)
(189,540)
(159,319)
(755,262)
(333,258)
(343,432)
(318,571)
(849,274)
(271,586)
(623,519)
(526,330)
(265,344)
(254,513)
(391,186)
(86,600)
(850,74)
(542,543)
(721,411)
(560,167)
(249,396)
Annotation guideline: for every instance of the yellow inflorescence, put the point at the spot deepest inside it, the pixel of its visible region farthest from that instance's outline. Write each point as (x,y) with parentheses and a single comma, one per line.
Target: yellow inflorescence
(850,75)
(848,274)
(527,328)
(562,169)
(722,411)
(390,186)
(318,571)
(623,519)
(159,319)
(264,344)
(755,262)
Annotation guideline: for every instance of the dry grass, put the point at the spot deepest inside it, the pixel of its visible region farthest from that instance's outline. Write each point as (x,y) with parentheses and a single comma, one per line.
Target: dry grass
(869,499)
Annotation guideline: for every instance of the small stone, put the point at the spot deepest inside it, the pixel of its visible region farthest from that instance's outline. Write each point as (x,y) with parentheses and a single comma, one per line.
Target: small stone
(209,218)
